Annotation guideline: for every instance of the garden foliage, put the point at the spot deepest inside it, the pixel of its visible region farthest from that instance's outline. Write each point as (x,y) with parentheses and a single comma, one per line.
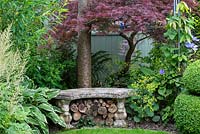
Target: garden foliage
(156,82)
(31,21)
(186,106)
(36,101)
(52,68)
(85,122)
(184,22)
(46,69)
(23,111)
(13,114)
(157,78)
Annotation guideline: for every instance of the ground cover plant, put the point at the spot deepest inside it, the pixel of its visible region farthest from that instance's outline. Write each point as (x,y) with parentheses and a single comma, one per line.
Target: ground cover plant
(113,131)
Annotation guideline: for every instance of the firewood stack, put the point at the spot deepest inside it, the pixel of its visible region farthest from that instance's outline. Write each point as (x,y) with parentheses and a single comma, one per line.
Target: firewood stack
(102,110)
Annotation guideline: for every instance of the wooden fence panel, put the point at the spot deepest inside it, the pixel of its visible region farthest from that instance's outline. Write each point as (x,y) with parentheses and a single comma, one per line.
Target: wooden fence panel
(113,44)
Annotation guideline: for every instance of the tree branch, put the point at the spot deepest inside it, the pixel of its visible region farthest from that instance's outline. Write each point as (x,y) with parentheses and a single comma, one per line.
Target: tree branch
(132,35)
(141,39)
(124,36)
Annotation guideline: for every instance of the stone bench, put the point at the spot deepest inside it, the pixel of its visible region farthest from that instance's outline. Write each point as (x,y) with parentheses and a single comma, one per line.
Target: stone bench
(66,96)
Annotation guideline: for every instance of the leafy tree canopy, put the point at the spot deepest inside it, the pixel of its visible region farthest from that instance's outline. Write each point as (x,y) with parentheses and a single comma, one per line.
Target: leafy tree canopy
(118,16)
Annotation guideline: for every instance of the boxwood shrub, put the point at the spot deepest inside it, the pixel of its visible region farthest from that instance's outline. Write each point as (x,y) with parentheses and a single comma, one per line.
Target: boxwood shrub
(187,113)
(191,78)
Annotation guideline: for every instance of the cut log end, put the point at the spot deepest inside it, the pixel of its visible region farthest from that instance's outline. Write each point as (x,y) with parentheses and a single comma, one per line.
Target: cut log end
(82,108)
(111,115)
(112,108)
(102,110)
(109,122)
(74,108)
(76,116)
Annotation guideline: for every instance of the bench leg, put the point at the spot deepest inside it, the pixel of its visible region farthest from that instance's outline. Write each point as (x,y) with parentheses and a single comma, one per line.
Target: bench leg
(66,116)
(121,114)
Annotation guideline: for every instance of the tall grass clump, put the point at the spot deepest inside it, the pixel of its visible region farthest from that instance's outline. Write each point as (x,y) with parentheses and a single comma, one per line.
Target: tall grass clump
(12,65)
(12,69)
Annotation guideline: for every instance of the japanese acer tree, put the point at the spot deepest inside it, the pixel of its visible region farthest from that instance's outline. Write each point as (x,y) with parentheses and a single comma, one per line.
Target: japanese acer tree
(126,17)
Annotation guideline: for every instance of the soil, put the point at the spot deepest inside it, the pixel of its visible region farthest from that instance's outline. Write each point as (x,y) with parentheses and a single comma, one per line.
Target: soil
(154,126)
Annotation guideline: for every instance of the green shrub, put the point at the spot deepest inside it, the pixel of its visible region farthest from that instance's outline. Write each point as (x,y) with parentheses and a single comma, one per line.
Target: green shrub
(51,68)
(22,110)
(45,69)
(187,113)
(191,77)
(30,20)
(13,114)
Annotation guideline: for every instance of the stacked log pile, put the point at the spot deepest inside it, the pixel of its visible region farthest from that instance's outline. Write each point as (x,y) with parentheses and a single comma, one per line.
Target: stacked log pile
(101,110)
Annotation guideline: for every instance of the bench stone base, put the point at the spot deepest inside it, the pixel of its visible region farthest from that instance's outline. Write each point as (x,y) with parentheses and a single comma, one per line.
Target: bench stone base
(66,96)
(120,123)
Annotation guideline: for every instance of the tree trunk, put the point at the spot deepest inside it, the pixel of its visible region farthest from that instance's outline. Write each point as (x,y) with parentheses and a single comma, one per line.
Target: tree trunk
(84,59)
(132,44)
(128,56)
(84,53)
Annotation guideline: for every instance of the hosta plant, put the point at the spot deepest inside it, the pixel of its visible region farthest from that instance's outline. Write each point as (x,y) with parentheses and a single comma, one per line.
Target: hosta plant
(36,100)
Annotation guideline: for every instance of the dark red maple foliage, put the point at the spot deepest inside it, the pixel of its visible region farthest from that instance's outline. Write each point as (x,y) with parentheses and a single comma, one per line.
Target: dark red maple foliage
(102,15)
(121,16)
